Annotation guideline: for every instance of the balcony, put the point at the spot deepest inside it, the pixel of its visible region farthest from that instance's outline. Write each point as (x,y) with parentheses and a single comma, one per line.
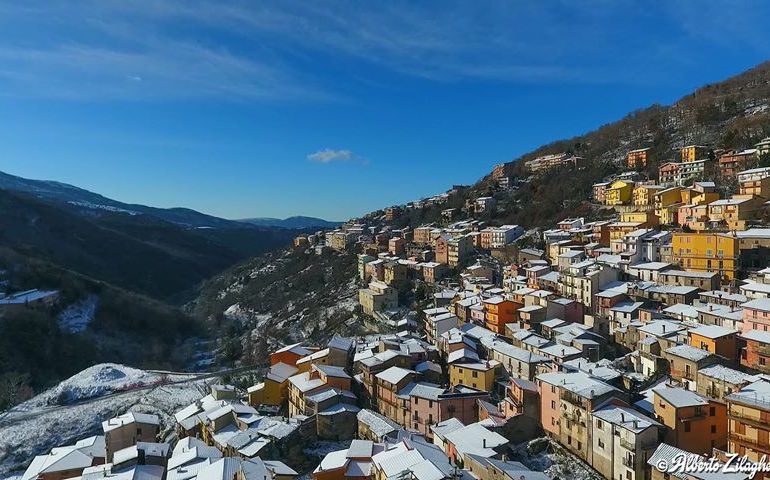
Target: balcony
(748,443)
(763,350)
(693,417)
(573,418)
(754,422)
(629,462)
(634,446)
(572,398)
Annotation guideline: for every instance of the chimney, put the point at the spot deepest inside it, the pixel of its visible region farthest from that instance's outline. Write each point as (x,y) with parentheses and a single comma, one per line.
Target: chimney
(664,328)
(636,424)
(622,417)
(484,442)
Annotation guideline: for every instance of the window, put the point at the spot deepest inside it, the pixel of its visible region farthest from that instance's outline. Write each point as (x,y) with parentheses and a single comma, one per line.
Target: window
(601,444)
(416,400)
(599,426)
(475,374)
(553,404)
(712,411)
(430,403)
(687,426)
(713,429)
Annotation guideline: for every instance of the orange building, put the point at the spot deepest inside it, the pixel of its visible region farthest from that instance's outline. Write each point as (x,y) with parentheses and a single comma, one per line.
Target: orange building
(498,312)
(695,423)
(289,354)
(715,339)
(637,158)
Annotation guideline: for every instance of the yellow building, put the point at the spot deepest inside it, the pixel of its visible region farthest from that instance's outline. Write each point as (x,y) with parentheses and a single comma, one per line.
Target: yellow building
(621,229)
(692,153)
(619,193)
(480,375)
(274,388)
(646,219)
(706,252)
(644,195)
(667,203)
(693,196)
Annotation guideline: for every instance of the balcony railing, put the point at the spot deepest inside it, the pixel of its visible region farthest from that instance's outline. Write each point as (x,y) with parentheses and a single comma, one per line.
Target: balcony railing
(750,443)
(572,398)
(629,462)
(634,446)
(754,422)
(697,414)
(763,350)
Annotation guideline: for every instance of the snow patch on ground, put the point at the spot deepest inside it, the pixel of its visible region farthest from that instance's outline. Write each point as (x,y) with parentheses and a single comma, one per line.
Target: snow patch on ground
(92,382)
(543,455)
(76,317)
(36,426)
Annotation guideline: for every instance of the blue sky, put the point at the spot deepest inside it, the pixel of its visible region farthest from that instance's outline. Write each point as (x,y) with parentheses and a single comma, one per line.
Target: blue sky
(333,109)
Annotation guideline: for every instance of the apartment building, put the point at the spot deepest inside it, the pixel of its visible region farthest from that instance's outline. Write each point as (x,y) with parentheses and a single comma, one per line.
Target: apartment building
(748,412)
(623,440)
(637,158)
(389,383)
(567,401)
(734,161)
(695,423)
(707,252)
(126,430)
(378,297)
(755,355)
(498,312)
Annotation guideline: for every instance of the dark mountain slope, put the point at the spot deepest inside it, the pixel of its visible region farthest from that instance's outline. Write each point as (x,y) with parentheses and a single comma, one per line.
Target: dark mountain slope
(84,200)
(136,252)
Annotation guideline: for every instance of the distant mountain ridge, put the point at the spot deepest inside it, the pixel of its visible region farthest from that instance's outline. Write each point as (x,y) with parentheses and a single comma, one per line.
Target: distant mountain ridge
(79,198)
(296,222)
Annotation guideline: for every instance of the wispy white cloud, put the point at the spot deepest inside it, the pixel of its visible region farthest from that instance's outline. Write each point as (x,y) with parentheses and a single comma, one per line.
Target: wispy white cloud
(292,49)
(329,155)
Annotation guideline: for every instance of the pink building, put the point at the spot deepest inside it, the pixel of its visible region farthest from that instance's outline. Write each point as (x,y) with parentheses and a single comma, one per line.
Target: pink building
(549,408)
(692,216)
(430,404)
(756,315)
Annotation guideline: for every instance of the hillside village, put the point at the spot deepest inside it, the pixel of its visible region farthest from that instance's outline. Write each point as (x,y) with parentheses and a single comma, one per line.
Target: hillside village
(602,345)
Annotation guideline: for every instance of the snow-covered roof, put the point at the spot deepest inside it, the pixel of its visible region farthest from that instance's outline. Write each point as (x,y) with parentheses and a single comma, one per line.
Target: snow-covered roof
(129,418)
(713,331)
(727,374)
(579,383)
(689,352)
(679,397)
(475,439)
(377,423)
(757,336)
(394,374)
(758,304)
(625,417)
